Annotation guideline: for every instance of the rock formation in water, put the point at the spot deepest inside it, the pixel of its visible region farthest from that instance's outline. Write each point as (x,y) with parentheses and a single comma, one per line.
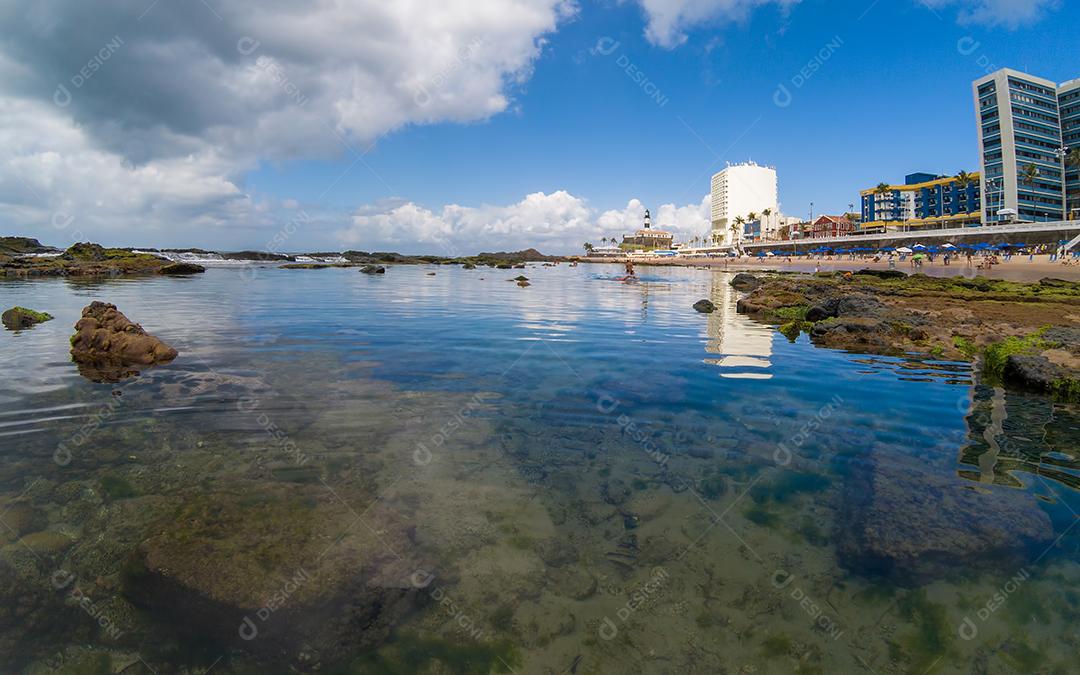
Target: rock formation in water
(181,269)
(109,347)
(745,282)
(19,318)
(705,306)
(373,269)
(1001,325)
(913,524)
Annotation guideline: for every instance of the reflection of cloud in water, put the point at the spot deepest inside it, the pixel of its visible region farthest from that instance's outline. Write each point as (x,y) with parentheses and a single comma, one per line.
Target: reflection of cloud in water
(743,345)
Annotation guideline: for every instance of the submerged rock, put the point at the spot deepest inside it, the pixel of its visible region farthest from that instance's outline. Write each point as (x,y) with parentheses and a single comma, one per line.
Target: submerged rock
(705,306)
(19,318)
(915,525)
(745,282)
(108,346)
(181,268)
(286,573)
(373,269)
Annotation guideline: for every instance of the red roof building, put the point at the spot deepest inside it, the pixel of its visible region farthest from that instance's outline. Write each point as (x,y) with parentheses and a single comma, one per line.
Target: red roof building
(831,226)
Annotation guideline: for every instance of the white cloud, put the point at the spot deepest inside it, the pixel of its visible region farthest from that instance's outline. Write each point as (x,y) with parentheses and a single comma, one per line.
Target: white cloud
(137,125)
(669,20)
(553,223)
(56,184)
(1007,13)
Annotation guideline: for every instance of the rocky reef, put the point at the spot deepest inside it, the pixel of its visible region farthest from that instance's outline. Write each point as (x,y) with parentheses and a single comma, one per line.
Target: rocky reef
(109,347)
(1024,335)
(83,260)
(13,246)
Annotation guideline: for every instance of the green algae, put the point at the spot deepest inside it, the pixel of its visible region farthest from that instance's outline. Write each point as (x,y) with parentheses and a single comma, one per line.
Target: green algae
(776,645)
(412,654)
(116,488)
(789,485)
(759,515)
(1022,656)
(91,664)
(965,346)
(792,313)
(932,634)
(996,354)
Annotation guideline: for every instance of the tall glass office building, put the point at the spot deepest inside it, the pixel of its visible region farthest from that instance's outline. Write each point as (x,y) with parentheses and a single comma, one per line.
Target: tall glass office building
(1020,144)
(1069,109)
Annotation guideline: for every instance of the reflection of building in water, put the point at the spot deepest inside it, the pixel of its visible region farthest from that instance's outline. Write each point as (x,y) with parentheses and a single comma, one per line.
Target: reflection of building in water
(744,347)
(1021,440)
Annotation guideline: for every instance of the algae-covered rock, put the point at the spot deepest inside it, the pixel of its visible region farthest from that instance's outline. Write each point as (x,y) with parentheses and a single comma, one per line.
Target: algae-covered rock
(745,282)
(704,306)
(181,269)
(108,346)
(373,269)
(19,318)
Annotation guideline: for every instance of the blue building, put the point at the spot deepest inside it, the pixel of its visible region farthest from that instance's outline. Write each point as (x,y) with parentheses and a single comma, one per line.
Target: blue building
(925,200)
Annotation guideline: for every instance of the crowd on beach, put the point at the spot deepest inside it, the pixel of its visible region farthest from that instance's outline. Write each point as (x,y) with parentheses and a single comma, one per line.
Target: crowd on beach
(979,256)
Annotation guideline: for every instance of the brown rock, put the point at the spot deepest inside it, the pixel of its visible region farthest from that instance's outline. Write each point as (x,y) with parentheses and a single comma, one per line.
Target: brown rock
(108,347)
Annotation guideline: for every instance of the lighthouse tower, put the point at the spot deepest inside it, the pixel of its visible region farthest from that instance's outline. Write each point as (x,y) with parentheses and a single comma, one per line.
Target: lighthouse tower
(648,220)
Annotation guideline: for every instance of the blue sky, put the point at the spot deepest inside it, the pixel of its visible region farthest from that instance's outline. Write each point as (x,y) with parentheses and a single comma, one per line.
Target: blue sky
(555,113)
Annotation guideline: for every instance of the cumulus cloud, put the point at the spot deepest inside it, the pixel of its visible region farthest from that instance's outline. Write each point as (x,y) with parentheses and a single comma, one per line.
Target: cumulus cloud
(146,115)
(1007,13)
(558,222)
(668,20)
(277,77)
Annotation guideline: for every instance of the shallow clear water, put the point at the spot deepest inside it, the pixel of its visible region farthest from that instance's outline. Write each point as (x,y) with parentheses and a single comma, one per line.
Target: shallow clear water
(449,473)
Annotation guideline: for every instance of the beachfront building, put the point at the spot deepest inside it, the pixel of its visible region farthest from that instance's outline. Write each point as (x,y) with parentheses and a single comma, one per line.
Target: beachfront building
(738,191)
(1069,108)
(925,200)
(830,226)
(1020,145)
(648,239)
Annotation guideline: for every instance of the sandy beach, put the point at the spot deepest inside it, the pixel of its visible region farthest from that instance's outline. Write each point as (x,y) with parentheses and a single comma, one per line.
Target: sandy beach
(1017,269)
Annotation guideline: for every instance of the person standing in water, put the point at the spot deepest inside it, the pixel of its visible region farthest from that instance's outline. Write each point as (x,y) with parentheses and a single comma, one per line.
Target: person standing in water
(629,268)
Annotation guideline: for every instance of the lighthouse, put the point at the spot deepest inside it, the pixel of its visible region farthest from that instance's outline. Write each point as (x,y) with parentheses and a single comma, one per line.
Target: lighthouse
(648,220)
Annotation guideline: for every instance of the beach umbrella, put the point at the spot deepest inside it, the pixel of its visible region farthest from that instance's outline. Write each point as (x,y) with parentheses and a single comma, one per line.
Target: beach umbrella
(948,246)
(904,249)
(918,246)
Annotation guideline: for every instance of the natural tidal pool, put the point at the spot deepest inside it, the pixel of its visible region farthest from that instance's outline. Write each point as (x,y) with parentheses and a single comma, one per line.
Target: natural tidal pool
(346,473)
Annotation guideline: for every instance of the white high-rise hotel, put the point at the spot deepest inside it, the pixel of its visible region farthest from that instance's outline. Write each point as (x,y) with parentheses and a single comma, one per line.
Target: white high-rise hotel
(739,190)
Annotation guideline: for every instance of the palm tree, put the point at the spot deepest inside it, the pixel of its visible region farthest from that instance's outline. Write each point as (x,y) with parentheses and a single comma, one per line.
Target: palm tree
(964,179)
(1073,158)
(588,247)
(881,190)
(1029,173)
(737,228)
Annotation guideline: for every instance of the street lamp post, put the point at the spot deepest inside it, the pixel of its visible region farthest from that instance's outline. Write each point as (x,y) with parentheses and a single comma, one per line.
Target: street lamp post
(1061,153)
